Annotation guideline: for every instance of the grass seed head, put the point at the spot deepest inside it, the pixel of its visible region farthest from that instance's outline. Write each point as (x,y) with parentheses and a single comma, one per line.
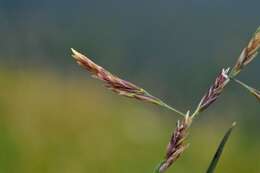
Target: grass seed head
(113,82)
(214,91)
(177,144)
(248,54)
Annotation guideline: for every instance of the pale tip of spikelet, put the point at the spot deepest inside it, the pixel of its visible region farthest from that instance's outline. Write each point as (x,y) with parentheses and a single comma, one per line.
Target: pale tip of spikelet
(234,124)
(77,56)
(225,72)
(187,114)
(73,51)
(188,118)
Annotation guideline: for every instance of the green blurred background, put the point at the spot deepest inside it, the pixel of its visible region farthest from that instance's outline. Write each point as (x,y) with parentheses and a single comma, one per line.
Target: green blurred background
(55,119)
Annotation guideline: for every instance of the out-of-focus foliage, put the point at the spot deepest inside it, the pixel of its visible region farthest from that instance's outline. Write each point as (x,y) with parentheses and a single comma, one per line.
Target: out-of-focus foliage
(52,124)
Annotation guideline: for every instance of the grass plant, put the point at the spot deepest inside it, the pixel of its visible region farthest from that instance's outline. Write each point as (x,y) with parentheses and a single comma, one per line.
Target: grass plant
(177,144)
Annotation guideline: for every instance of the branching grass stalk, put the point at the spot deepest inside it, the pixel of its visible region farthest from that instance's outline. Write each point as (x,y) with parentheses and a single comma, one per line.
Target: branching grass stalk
(177,144)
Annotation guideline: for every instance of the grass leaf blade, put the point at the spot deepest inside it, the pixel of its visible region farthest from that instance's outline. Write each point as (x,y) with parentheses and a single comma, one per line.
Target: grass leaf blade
(220,149)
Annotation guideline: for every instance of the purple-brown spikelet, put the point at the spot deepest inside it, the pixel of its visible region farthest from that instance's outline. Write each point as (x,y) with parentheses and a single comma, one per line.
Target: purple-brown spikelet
(248,54)
(118,85)
(215,90)
(112,82)
(176,145)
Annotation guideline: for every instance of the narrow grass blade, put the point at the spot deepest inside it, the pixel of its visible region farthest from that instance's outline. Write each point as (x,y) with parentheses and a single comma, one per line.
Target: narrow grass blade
(220,149)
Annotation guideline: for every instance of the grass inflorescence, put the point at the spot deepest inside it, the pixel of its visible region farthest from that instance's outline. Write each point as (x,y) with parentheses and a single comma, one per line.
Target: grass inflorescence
(177,143)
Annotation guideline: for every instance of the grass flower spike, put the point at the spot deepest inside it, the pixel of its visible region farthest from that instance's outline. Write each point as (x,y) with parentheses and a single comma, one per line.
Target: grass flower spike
(248,54)
(116,84)
(214,91)
(176,145)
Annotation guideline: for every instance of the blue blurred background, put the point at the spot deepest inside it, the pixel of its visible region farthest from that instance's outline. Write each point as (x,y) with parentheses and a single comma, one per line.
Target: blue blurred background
(55,118)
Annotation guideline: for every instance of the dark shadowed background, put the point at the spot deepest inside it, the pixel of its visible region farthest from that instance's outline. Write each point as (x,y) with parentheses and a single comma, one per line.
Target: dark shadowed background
(55,118)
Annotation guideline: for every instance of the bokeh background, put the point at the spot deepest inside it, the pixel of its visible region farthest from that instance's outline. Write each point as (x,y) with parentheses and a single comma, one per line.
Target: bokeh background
(54,118)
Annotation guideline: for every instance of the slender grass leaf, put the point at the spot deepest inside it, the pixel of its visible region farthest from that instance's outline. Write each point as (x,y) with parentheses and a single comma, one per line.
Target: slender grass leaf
(220,149)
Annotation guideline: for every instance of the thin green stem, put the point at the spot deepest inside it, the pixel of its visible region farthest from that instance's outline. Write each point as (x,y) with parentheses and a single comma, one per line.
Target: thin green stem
(196,112)
(161,103)
(242,84)
(171,108)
